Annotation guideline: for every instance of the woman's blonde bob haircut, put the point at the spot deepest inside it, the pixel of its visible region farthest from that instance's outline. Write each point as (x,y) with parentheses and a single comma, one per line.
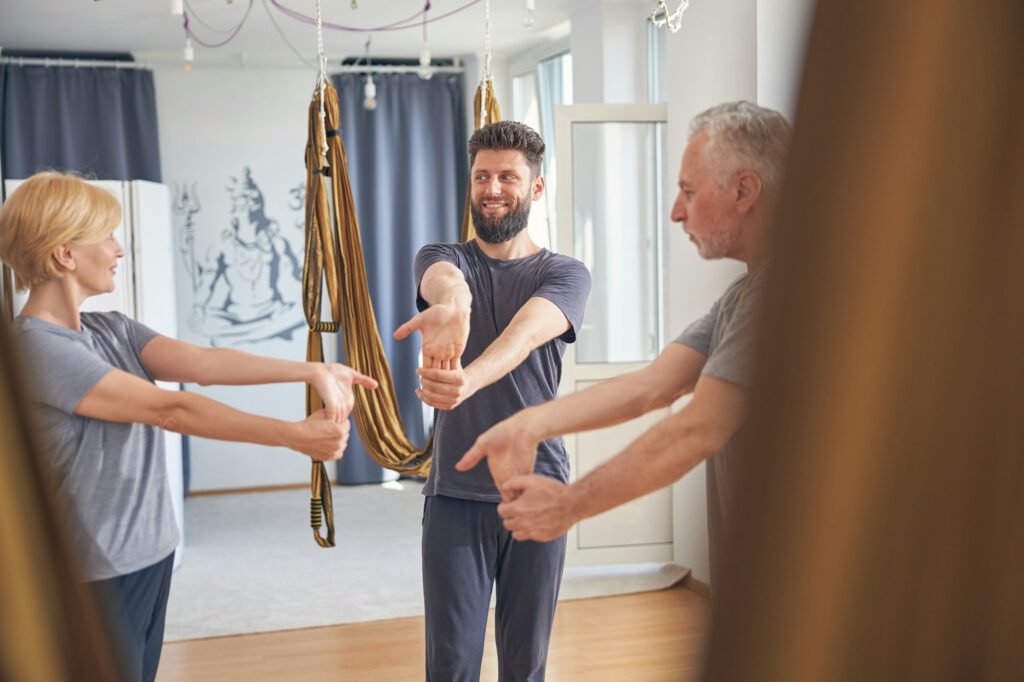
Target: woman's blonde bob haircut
(47,210)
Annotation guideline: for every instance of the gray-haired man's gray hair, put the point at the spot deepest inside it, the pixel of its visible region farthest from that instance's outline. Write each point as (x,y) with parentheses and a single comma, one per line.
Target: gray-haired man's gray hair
(744,136)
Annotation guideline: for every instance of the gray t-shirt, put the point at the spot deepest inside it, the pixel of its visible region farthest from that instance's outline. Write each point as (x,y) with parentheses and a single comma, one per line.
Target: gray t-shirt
(726,335)
(111,478)
(500,288)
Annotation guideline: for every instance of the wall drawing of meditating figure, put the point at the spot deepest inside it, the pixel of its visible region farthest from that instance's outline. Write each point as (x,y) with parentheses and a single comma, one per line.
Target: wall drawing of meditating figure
(246,282)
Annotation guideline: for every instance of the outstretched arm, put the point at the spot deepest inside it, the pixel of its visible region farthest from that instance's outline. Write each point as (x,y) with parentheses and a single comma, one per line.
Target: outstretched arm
(168,359)
(536,323)
(445,324)
(511,445)
(123,397)
(541,508)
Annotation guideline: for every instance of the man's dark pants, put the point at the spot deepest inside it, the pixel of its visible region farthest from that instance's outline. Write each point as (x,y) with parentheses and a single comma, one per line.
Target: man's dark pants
(466,550)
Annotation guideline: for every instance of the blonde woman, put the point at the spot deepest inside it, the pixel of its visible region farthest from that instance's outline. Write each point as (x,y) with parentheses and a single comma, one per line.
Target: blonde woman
(100,413)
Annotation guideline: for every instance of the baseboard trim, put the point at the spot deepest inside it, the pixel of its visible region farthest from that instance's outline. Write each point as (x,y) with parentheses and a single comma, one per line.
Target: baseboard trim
(698,586)
(258,489)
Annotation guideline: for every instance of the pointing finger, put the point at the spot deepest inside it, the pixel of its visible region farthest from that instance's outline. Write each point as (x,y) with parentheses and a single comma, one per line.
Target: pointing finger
(362,380)
(406,329)
(471,458)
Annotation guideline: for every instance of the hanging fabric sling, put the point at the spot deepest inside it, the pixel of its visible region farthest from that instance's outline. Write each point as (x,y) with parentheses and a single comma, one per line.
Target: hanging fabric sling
(320,266)
(334,256)
(485,110)
(485,113)
(6,276)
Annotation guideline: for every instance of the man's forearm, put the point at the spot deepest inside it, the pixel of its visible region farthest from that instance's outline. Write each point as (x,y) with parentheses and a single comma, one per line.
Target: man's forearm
(675,372)
(607,403)
(448,288)
(536,323)
(503,355)
(659,457)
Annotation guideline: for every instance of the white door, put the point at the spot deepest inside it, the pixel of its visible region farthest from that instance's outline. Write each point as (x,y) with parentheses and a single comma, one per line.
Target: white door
(152,252)
(611,216)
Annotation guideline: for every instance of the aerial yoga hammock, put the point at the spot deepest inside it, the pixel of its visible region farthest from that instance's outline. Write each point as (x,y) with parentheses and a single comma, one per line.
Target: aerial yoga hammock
(334,256)
(488,112)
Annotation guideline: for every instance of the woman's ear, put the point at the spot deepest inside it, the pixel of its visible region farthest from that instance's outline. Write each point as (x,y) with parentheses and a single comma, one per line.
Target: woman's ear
(64,258)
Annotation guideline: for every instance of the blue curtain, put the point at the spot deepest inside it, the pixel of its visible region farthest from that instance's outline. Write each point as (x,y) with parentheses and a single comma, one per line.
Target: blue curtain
(100,122)
(409,171)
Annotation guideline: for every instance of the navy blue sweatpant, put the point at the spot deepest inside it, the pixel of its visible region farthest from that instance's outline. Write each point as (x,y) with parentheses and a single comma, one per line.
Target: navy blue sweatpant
(137,605)
(466,550)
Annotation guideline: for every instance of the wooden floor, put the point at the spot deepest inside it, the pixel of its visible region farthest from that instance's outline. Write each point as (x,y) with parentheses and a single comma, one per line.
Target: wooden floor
(639,637)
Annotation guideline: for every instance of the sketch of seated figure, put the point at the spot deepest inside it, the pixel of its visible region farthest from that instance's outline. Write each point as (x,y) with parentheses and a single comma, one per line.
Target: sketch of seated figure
(247,284)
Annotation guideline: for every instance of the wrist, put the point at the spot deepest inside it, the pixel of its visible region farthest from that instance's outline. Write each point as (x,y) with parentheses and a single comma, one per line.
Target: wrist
(287,435)
(314,371)
(461,305)
(472,378)
(575,501)
(531,424)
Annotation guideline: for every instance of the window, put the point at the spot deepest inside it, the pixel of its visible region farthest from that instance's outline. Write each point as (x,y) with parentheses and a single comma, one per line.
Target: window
(535,94)
(655,63)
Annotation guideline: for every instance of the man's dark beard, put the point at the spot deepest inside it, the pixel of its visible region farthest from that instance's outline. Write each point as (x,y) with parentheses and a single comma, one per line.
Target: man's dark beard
(500,229)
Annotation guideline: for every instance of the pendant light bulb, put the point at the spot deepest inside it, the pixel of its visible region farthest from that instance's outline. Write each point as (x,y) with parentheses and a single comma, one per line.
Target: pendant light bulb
(189,52)
(425,71)
(370,94)
(528,13)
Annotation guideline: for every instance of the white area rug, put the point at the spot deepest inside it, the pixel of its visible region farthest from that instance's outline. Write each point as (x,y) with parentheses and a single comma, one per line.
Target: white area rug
(251,564)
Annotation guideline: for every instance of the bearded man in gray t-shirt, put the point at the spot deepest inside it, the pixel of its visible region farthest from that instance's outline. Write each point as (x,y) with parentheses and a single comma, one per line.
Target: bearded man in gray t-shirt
(496,315)
(728,184)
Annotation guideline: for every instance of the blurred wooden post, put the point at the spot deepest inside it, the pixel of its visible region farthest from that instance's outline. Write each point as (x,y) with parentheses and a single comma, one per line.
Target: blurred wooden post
(879,529)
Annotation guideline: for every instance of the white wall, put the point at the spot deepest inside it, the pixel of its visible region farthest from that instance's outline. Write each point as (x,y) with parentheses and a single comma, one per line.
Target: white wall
(782,30)
(609,52)
(213,124)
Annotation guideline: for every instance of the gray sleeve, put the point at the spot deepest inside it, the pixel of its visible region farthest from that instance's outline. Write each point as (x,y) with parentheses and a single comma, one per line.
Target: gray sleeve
(130,335)
(61,371)
(138,335)
(698,335)
(733,358)
(428,255)
(567,285)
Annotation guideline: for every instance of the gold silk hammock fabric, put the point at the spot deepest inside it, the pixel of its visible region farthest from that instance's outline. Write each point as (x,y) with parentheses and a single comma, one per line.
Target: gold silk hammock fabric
(493,114)
(334,254)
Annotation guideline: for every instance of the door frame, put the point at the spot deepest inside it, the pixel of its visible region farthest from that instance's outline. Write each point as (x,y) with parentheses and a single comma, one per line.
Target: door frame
(572,373)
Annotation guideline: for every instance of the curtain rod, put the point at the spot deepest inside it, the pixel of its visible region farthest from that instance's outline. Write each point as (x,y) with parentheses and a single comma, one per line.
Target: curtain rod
(76,63)
(394,69)
(115,64)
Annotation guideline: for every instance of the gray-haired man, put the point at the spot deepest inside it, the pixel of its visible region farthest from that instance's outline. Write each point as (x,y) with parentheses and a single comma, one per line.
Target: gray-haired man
(728,184)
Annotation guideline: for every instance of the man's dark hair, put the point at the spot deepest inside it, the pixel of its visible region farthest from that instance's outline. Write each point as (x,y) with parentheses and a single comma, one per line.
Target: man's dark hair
(509,135)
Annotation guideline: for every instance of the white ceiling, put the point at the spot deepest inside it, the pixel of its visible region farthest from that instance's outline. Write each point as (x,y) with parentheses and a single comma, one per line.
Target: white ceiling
(148,26)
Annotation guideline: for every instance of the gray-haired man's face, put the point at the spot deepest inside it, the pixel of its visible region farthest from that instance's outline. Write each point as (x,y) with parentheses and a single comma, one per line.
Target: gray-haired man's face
(703,204)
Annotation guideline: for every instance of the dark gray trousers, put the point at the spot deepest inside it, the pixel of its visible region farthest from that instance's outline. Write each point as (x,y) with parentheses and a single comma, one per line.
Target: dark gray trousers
(136,604)
(466,550)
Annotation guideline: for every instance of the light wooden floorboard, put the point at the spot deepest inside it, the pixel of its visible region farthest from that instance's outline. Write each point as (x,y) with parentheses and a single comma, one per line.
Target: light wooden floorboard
(650,636)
